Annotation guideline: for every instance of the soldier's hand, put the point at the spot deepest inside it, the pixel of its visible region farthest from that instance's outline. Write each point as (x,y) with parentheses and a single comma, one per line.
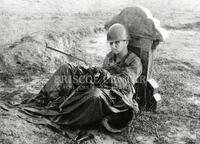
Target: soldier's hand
(101,76)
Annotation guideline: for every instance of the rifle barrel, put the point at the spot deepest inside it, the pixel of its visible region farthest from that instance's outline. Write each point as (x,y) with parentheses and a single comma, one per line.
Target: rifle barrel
(65,53)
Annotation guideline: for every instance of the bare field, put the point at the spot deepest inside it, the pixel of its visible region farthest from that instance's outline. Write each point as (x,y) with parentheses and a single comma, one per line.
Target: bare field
(76,27)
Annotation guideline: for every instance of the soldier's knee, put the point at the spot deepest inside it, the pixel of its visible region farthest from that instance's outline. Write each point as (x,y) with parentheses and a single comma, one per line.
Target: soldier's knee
(64,69)
(65,66)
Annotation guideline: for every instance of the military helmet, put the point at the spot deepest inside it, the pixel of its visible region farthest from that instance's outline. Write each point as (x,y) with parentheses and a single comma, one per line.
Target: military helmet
(117,32)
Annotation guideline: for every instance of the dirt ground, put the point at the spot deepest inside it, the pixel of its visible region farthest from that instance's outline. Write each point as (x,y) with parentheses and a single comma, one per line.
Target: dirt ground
(76,27)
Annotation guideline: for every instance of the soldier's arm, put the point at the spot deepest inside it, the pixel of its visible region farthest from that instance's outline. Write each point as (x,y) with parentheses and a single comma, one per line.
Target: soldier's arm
(130,73)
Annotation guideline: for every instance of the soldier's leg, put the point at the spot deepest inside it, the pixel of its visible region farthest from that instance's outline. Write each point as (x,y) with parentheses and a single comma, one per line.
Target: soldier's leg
(59,84)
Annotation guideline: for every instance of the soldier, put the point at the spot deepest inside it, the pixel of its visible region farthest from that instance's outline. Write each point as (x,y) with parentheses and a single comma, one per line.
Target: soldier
(78,97)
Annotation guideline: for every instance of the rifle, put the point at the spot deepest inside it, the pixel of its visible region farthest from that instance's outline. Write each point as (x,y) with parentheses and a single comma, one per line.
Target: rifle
(66,54)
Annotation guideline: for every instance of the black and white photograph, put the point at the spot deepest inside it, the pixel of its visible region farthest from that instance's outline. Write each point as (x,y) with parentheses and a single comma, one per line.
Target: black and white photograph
(99,72)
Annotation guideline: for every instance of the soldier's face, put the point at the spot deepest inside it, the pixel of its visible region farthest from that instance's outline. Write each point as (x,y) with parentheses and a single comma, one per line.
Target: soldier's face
(118,46)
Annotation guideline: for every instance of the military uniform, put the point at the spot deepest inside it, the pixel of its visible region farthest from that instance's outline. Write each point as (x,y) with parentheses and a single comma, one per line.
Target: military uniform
(67,101)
